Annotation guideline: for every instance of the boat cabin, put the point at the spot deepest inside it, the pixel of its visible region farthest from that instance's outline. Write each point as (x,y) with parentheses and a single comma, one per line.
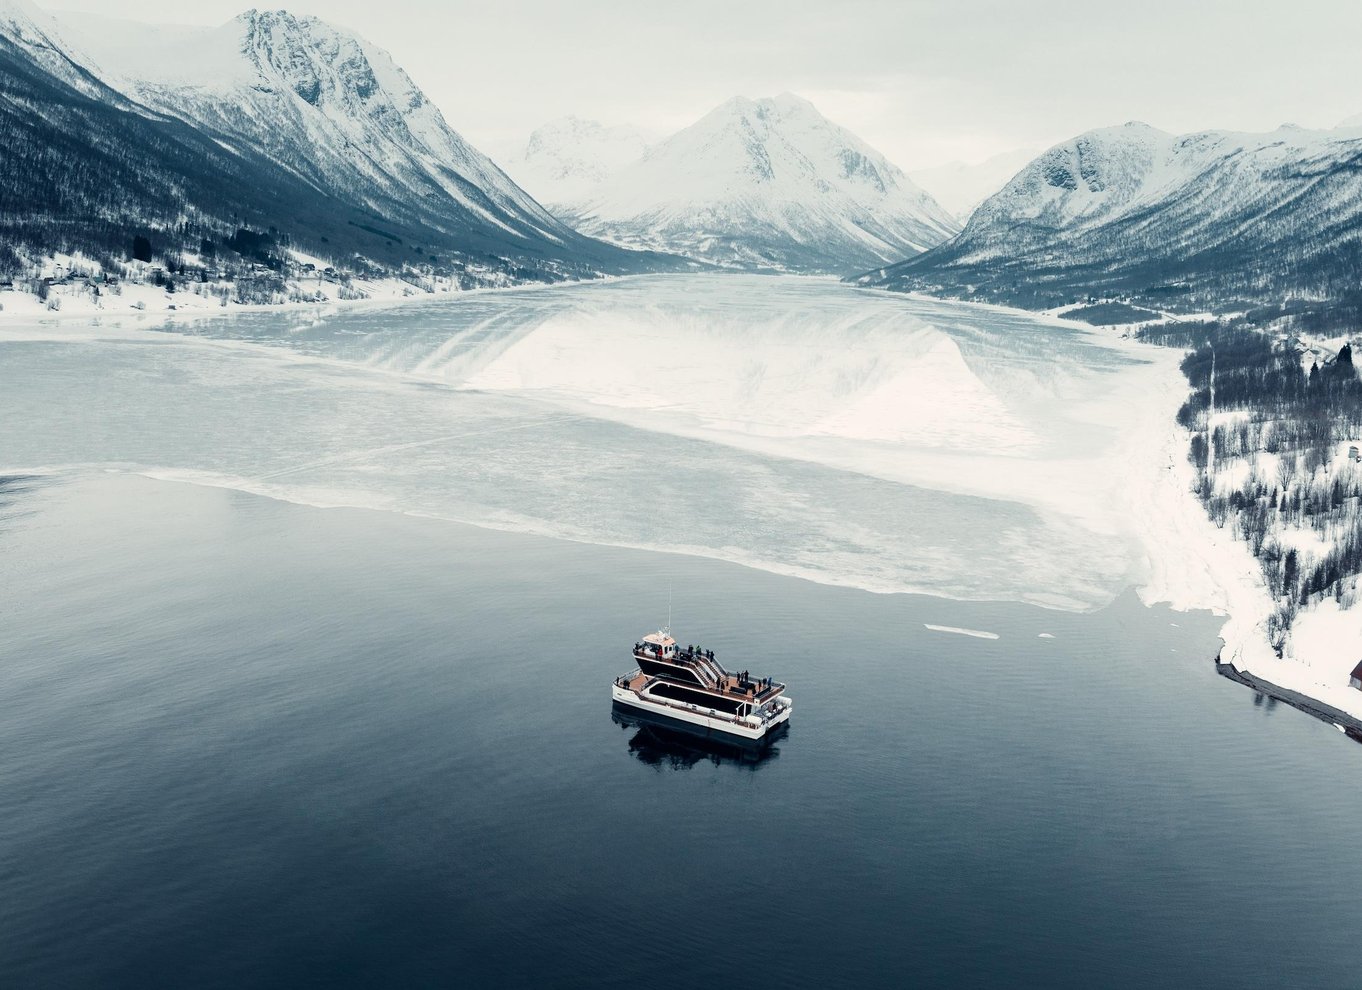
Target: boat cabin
(658,644)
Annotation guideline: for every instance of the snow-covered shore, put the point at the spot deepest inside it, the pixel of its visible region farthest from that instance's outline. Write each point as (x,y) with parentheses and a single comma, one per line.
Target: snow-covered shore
(1193,563)
(152,302)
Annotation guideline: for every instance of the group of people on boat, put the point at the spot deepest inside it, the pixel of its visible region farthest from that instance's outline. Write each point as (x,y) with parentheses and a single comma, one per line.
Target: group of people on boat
(745,680)
(692,652)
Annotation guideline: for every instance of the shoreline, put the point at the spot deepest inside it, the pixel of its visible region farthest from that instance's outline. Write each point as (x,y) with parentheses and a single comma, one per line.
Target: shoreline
(35,312)
(1195,565)
(1348,724)
(40,315)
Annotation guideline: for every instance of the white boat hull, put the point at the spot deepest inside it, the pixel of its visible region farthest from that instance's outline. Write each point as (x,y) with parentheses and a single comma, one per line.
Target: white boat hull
(707,719)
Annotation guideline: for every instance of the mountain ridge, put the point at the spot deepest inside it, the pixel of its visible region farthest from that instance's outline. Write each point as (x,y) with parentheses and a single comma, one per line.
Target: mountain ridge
(1203,220)
(294,131)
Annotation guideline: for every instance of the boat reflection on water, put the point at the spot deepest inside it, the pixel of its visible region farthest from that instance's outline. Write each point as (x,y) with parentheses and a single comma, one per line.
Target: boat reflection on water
(662,742)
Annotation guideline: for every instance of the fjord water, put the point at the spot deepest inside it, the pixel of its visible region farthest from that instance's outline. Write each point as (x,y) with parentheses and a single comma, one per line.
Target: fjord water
(250,742)
(244,742)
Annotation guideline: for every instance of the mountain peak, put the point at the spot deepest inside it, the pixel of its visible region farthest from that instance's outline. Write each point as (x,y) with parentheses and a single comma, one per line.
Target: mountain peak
(566,159)
(764,107)
(313,58)
(768,182)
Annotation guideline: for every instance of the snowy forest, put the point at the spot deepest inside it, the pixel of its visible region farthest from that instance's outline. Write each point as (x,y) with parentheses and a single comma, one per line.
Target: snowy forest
(1276,425)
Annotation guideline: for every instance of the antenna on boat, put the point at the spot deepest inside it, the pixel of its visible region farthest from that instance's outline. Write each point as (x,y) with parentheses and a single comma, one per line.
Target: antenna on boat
(669,608)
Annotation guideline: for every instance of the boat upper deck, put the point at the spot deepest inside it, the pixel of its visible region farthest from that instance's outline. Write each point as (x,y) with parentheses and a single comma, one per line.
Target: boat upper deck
(660,656)
(730,687)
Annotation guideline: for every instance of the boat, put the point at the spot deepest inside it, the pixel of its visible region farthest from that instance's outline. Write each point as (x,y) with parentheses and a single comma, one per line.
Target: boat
(689,686)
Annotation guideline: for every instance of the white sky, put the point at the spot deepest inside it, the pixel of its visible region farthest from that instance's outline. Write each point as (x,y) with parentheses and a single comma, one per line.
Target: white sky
(924,81)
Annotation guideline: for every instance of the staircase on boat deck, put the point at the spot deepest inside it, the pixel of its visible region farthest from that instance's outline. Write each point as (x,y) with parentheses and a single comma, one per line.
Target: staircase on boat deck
(709,669)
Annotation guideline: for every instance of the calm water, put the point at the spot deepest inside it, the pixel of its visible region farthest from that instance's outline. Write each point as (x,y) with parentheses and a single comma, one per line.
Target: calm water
(244,742)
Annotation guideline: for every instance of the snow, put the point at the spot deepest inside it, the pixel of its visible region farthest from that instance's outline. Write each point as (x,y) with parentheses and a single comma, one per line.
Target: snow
(1193,564)
(912,387)
(129,52)
(1123,173)
(566,160)
(321,101)
(49,43)
(959,631)
(764,181)
(737,383)
(74,300)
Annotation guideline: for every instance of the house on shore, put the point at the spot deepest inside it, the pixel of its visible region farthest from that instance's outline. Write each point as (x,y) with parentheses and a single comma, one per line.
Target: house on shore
(1355,680)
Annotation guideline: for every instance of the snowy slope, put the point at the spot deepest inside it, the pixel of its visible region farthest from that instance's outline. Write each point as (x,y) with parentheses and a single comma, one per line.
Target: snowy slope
(565,160)
(40,38)
(87,169)
(1200,219)
(767,183)
(325,104)
(341,115)
(960,186)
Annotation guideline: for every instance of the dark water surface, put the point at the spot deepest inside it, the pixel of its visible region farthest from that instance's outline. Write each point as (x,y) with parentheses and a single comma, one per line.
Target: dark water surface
(244,742)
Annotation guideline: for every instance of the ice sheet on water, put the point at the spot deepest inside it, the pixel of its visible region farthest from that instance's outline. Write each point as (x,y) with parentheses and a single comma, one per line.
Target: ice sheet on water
(736,354)
(795,425)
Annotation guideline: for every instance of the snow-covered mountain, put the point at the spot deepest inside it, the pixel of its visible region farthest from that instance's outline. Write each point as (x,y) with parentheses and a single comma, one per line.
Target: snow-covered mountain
(38,37)
(321,108)
(961,186)
(565,160)
(1197,220)
(87,169)
(332,108)
(767,184)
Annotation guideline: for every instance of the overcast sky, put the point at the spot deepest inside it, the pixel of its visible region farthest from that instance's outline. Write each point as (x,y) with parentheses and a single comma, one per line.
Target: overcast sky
(924,81)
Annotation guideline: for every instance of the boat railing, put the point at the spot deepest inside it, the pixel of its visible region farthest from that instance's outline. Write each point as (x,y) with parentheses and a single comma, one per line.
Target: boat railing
(686,706)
